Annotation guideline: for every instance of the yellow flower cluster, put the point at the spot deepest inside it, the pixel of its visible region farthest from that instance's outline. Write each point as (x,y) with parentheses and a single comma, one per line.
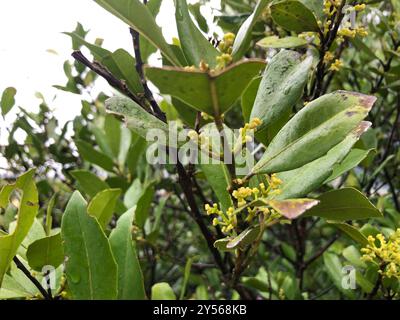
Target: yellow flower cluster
(330,6)
(244,195)
(328,57)
(385,253)
(227,221)
(351,33)
(336,65)
(359,7)
(252,125)
(225,47)
(223,60)
(226,44)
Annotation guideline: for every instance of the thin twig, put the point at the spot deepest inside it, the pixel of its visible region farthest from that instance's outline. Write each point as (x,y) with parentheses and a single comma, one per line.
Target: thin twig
(20,266)
(107,75)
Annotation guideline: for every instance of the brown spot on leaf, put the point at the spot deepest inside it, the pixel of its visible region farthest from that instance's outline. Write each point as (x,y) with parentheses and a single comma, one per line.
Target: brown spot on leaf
(293,208)
(362,127)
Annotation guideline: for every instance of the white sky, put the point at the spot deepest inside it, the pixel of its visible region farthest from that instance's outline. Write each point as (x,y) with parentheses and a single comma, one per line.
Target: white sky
(28,28)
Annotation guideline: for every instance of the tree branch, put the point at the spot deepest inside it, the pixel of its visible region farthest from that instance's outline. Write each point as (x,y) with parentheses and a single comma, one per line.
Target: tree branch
(20,266)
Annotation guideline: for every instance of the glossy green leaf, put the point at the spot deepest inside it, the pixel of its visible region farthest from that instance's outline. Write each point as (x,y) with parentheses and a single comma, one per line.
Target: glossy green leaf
(103,204)
(277,43)
(244,239)
(194,45)
(316,6)
(186,275)
(89,182)
(162,291)
(314,130)
(130,277)
(120,63)
(221,244)
(144,205)
(133,194)
(354,158)
(27,211)
(140,196)
(352,232)
(146,48)
(138,17)
(299,182)
(294,16)
(7,100)
(333,267)
(344,204)
(243,37)
(248,98)
(353,255)
(136,118)
(212,92)
(219,179)
(90,154)
(47,251)
(90,268)
(281,87)
(201,20)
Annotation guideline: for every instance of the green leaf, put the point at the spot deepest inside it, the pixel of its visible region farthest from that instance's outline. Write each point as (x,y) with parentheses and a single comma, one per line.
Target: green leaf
(352,232)
(194,45)
(292,208)
(46,252)
(130,277)
(133,194)
(120,63)
(243,37)
(103,204)
(89,182)
(136,118)
(316,6)
(344,204)
(248,98)
(7,100)
(277,43)
(112,129)
(27,211)
(244,239)
(221,244)
(90,154)
(91,269)
(294,16)
(213,92)
(138,17)
(146,48)
(140,196)
(281,87)
(201,20)
(186,275)
(144,205)
(219,179)
(314,130)
(354,158)
(334,267)
(352,254)
(162,291)
(299,182)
